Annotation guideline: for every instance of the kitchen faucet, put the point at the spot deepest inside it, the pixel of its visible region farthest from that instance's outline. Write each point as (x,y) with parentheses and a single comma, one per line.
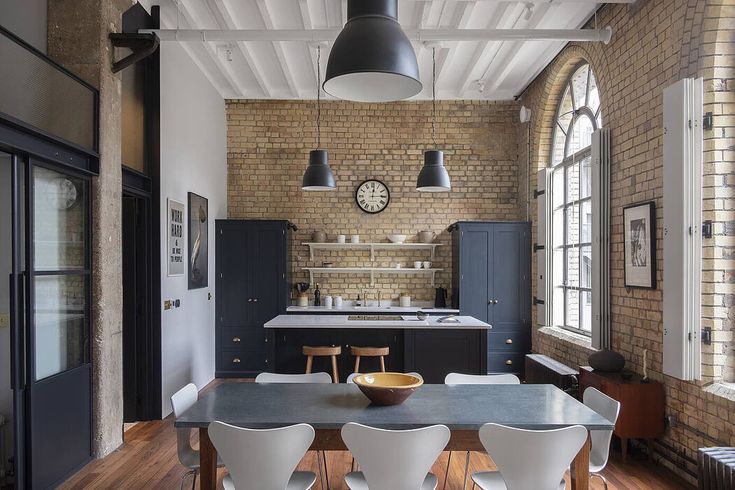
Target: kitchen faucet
(378,298)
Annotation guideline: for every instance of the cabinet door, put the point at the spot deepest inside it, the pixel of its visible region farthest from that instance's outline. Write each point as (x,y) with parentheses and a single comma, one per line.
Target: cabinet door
(232,281)
(509,276)
(436,353)
(267,274)
(290,358)
(476,250)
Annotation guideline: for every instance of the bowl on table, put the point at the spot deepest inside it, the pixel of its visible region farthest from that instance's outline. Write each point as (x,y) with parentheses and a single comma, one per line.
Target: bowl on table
(397,238)
(388,388)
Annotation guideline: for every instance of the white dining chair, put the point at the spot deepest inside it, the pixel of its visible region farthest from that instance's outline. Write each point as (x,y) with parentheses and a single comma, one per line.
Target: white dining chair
(394,459)
(475,379)
(351,378)
(324,378)
(263,459)
(181,401)
(528,459)
(600,439)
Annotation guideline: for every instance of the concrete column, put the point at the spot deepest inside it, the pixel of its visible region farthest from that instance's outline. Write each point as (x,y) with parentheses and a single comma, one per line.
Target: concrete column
(78,39)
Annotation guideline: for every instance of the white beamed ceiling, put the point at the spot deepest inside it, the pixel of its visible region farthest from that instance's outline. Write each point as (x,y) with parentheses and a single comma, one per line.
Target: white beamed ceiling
(287,70)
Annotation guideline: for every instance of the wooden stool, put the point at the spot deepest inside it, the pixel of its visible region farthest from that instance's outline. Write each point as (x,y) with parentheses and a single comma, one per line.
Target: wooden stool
(323,351)
(359,352)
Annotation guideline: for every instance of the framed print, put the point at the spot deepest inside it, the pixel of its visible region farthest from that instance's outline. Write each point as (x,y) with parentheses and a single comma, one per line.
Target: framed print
(198,263)
(639,223)
(175,238)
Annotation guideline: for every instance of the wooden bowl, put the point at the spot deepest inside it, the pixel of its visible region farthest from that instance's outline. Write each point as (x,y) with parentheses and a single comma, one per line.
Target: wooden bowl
(388,388)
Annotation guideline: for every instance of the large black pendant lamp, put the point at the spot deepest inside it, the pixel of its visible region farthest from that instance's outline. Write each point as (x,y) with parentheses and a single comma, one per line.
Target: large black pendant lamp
(433,176)
(318,175)
(372,60)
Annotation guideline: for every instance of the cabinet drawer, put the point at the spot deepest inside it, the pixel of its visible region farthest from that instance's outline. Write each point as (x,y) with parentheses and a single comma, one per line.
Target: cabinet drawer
(508,341)
(499,362)
(250,360)
(242,337)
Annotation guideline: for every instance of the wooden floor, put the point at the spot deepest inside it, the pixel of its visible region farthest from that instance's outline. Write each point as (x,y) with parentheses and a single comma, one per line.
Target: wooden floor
(148,459)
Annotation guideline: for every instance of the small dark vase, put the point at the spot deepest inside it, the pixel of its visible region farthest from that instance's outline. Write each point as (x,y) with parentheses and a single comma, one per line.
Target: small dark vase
(607,361)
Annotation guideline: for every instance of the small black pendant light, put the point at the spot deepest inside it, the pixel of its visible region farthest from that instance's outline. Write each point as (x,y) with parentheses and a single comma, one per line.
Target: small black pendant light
(318,175)
(372,60)
(433,176)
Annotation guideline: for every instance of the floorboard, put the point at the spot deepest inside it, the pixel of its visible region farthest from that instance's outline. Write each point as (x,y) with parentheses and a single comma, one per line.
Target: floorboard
(148,459)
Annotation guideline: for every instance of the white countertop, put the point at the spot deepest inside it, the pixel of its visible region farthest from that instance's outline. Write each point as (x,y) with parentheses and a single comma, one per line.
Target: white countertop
(371,309)
(341,321)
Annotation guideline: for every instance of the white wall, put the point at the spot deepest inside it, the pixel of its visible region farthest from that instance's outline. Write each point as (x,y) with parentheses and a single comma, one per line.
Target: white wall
(193,159)
(26,19)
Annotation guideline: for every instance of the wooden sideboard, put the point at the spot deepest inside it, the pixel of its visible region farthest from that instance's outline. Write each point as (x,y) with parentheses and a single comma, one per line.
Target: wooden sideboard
(642,405)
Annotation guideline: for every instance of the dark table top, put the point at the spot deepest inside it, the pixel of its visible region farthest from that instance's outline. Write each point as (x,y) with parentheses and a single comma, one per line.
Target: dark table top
(330,406)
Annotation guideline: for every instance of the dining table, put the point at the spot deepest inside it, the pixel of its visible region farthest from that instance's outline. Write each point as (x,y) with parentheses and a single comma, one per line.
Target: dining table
(327,407)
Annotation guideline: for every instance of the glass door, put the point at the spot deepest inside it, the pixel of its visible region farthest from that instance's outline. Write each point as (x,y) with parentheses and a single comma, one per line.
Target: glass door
(58,398)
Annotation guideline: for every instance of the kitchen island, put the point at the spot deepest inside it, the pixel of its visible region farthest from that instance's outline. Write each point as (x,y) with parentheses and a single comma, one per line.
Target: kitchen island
(429,347)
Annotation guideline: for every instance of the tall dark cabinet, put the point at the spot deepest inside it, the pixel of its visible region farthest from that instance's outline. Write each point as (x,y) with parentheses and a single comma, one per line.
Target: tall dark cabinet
(491,281)
(252,276)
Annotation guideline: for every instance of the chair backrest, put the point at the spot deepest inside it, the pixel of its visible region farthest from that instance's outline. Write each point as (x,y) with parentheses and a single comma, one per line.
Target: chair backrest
(261,459)
(481,379)
(351,378)
(600,439)
(392,459)
(181,401)
(293,378)
(530,458)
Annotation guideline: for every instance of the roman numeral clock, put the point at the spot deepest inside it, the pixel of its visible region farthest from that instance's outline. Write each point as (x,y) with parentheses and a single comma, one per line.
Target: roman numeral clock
(372,196)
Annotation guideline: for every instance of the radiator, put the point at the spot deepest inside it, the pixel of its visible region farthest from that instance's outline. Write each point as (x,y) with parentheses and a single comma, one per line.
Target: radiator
(541,369)
(716,468)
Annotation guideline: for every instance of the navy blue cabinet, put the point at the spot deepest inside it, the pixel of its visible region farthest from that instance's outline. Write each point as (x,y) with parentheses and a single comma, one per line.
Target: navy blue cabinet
(251,263)
(491,280)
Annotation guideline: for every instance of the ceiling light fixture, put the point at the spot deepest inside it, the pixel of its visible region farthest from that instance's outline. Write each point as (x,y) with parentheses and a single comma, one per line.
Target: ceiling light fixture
(433,176)
(372,60)
(318,175)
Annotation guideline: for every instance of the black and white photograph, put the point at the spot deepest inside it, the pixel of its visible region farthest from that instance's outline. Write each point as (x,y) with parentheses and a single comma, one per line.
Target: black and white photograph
(640,245)
(198,241)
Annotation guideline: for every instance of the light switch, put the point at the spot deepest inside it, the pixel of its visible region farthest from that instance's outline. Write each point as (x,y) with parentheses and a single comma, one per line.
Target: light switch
(4,320)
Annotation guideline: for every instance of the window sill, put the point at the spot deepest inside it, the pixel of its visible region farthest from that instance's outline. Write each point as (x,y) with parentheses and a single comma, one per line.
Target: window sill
(722,389)
(567,336)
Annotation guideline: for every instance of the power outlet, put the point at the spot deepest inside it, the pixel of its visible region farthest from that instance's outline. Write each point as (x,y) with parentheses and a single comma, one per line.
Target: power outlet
(4,320)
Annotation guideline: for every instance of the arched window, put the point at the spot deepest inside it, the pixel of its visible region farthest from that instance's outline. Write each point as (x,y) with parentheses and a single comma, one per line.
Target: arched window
(577,117)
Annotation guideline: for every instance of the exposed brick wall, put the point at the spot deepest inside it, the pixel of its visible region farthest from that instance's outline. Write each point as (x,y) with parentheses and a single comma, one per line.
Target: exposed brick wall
(268,147)
(655,43)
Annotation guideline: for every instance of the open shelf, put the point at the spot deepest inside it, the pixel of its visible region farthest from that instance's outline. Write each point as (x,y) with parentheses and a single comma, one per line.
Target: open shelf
(313,246)
(369,270)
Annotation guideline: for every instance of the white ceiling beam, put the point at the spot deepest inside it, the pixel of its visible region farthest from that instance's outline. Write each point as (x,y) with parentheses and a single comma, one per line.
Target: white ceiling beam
(443,35)
(468,8)
(225,70)
(219,9)
(306,22)
(277,47)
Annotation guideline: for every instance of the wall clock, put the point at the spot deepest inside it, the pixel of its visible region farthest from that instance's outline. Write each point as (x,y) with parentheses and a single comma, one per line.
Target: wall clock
(62,194)
(372,196)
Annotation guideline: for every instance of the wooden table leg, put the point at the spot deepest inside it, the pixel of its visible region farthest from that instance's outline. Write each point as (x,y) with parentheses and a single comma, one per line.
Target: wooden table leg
(581,468)
(207,461)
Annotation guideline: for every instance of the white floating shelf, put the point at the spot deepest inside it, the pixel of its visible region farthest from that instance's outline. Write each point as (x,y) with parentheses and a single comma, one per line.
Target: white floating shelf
(369,270)
(371,246)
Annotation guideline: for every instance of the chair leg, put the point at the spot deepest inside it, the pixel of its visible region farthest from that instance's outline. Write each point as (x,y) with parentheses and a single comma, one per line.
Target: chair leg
(183,477)
(446,474)
(598,475)
(382,364)
(335,374)
(309,362)
(321,474)
(466,470)
(194,481)
(357,364)
(326,470)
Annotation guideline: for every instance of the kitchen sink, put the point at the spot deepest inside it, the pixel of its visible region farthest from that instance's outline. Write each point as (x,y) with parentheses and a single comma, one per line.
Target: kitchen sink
(375,318)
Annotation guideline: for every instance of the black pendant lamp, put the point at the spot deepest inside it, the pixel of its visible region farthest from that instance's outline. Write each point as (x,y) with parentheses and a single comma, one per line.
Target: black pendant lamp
(372,60)
(433,176)
(318,175)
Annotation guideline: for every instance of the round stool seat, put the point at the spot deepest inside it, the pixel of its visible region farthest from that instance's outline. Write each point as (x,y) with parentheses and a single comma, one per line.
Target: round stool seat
(326,350)
(370,351)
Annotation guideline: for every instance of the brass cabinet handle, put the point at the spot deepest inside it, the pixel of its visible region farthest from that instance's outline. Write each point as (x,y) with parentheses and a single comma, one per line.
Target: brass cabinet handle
(236,339)
(509,362)
(492,301)
(250,299)
(508,341)
(255,300)
(236,360)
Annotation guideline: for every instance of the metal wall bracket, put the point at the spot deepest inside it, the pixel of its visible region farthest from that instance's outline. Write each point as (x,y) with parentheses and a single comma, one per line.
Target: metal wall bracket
(708,121)
(537,301)
(537,247)
(536,194)
(706,335)
(142,45)
(707,229)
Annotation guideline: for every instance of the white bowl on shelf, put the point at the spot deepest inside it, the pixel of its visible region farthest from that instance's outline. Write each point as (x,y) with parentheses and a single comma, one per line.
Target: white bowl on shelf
(397,238)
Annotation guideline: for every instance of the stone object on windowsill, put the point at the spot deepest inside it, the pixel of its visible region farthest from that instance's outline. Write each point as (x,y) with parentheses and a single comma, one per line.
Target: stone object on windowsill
(606,361)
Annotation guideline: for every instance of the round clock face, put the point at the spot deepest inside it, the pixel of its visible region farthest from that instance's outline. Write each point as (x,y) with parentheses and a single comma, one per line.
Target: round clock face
(62,193)
(372,196)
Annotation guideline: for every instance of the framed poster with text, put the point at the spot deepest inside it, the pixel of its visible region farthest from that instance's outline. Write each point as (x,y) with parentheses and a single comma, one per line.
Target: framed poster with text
(175,238)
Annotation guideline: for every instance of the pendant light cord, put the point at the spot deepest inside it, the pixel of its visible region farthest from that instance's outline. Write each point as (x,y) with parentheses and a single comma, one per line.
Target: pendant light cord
(433,96)
(318,95)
